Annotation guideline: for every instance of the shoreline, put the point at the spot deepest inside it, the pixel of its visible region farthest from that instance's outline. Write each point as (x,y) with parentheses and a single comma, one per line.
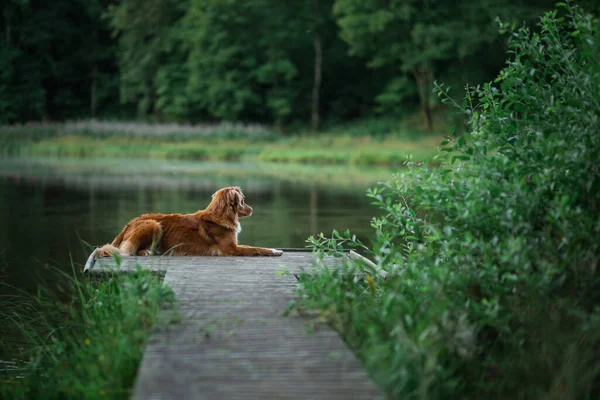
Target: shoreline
(364,143)
(337,150)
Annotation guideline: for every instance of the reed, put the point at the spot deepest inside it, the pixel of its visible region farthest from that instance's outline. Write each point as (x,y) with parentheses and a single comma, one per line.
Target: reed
(88,347)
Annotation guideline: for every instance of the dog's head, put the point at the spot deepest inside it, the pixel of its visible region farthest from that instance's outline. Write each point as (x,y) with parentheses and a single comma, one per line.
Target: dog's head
(231,201)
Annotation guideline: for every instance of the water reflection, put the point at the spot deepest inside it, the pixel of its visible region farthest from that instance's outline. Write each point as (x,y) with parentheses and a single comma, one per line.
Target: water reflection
(51,209)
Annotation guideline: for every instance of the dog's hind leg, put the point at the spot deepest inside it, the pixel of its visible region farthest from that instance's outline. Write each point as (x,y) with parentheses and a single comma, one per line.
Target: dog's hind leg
(142,236)
(108,250)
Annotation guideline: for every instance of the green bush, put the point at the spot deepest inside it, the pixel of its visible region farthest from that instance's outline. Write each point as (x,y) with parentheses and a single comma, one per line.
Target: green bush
(491,259)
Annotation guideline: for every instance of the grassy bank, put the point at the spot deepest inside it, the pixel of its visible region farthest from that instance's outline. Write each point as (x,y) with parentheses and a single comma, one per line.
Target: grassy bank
(492,286)
(368,143)
(89,348)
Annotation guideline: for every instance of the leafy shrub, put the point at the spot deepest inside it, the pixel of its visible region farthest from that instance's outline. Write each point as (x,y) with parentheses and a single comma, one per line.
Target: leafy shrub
(491,259)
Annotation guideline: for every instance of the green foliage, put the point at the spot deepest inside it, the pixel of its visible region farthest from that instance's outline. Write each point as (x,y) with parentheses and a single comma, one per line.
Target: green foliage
(221,59)
(439,32)
(492,285)
(21,91)
(422,40)
(241,57)
(51,66)
(245,60)
(87,349)
(150,59)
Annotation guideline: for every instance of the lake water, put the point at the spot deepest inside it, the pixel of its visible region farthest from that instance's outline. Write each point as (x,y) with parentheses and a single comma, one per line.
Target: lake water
(52,211)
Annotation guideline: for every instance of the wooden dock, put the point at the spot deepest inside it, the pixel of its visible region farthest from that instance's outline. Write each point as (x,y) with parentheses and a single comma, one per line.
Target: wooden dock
(233,341)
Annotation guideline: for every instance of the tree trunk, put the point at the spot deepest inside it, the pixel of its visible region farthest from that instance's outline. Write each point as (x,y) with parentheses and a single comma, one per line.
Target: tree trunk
(317,75)
(428,116)
(424,78)
(280,127)
(152,108)
(157,116)
(316,84)
(278,118)
(93,98)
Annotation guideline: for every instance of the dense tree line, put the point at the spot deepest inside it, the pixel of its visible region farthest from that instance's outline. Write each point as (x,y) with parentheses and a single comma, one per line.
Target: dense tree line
(259,60)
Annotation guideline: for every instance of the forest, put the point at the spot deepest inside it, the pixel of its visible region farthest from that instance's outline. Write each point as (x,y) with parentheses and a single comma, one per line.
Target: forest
(266,61)
(477,270)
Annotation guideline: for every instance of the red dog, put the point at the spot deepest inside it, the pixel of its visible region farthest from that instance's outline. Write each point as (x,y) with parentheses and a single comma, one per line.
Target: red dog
(209,232)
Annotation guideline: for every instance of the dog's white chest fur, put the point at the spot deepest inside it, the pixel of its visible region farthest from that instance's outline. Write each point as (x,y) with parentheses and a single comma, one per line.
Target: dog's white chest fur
(238,230)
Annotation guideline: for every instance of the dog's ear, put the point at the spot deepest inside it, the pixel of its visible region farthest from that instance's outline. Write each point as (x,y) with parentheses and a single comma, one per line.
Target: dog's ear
(234,198)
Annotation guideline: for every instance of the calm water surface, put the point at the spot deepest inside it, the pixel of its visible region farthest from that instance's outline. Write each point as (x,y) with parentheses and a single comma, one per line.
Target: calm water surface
(52,210)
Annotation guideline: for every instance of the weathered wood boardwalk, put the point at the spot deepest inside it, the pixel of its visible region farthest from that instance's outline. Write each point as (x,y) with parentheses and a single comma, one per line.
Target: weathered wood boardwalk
(233,341)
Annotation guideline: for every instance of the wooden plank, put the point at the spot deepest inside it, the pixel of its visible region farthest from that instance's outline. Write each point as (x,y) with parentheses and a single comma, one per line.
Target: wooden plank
(234,342)
(107,265)
(293,262)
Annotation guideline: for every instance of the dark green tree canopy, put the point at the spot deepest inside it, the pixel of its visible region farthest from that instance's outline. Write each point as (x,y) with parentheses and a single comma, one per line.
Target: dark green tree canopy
(254,60)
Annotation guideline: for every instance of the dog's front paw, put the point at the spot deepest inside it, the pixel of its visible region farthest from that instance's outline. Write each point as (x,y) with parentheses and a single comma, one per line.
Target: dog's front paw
(276,252)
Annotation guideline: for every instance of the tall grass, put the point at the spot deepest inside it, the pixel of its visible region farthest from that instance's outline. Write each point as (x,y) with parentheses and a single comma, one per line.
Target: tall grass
(491,286)
(87,348)
(367,142)
(101,129)
(304,150)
